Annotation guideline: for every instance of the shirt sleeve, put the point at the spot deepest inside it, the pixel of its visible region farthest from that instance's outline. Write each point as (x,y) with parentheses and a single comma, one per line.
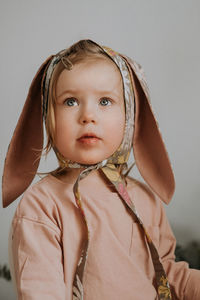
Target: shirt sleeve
(185,282)
(36,250)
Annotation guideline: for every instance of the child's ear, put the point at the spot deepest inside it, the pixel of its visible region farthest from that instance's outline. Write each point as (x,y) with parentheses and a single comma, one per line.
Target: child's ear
(22,161)
(149,150)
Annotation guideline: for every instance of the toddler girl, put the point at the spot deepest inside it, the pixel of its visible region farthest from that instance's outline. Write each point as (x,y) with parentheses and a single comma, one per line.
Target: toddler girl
(87,230)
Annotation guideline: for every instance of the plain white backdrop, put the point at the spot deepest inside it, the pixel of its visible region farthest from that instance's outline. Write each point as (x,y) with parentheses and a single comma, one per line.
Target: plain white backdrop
(163,36)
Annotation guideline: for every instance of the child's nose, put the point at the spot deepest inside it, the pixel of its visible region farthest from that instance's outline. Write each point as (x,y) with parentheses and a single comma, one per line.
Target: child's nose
(88,115)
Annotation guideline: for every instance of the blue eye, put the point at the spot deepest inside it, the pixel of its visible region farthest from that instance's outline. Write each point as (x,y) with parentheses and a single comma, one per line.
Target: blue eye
(105,102)
(71,102)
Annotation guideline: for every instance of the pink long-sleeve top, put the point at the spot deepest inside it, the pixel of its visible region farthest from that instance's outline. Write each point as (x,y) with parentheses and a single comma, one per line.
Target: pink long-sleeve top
(48,232)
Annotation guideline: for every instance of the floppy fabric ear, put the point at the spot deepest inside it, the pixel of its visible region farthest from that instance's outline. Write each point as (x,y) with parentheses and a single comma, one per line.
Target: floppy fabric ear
(22,161)
(149,150)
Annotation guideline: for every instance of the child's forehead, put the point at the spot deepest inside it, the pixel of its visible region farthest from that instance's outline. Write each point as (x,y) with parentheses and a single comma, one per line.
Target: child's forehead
(101,73)
(100,64)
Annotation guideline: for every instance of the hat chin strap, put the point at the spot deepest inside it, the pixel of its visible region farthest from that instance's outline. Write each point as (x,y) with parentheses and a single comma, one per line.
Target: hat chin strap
(66,163)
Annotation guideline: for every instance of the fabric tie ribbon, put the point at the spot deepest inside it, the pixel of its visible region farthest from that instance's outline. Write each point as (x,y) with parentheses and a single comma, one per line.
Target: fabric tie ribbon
(112,173)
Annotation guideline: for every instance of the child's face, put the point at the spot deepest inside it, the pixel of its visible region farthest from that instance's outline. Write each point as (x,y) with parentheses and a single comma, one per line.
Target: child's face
(89,111)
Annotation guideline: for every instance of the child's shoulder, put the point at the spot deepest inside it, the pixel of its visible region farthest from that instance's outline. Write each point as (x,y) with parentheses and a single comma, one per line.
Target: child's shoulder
(40,200)
(44,187)
(142,193)
(140,186)
(147,203)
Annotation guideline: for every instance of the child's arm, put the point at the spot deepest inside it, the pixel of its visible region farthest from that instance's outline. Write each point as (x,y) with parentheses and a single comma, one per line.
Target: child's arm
(184,281)
(37,252)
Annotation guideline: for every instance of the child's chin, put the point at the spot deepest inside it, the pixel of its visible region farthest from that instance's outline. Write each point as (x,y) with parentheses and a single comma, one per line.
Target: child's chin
(89,161)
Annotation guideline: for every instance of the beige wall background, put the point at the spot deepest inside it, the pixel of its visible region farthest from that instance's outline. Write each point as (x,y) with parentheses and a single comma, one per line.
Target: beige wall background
(163,36)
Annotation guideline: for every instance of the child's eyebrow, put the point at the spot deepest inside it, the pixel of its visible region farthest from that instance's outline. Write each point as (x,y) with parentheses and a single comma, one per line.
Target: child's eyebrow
(100,92)
(68,91)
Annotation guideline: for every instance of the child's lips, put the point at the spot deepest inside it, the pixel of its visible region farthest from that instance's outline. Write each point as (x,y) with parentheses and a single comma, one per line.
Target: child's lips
(88,139)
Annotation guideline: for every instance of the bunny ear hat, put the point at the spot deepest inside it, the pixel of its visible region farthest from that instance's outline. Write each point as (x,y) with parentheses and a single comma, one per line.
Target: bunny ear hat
(150,154)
